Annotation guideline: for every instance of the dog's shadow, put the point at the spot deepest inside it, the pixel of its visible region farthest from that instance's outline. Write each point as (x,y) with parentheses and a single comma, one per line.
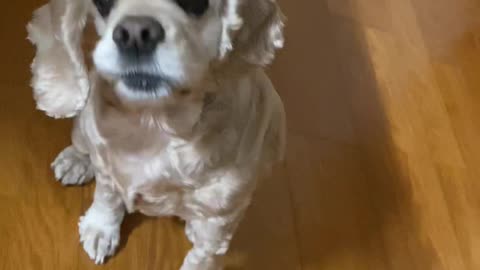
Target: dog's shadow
(130,223)
(343,200)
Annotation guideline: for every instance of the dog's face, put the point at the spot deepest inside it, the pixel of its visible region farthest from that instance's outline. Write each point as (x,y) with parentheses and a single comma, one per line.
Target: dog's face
(151,48)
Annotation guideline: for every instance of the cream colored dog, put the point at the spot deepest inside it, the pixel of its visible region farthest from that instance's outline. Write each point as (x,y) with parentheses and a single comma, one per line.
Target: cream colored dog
(177,118)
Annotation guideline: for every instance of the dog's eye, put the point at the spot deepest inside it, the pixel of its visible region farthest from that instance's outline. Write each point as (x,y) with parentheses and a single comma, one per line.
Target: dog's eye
(194,7)
(104,6)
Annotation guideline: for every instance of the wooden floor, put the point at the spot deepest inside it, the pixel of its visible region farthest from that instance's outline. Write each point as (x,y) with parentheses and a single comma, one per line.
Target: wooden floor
(383,168)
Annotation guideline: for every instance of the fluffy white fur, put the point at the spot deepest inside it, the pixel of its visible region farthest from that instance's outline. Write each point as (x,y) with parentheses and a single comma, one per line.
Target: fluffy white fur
(193,149)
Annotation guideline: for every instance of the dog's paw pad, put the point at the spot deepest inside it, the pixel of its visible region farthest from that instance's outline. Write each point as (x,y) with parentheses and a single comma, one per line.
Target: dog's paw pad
(72,167)
(99,240)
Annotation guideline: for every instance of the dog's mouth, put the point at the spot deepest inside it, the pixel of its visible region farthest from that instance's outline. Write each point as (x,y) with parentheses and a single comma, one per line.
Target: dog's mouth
(145,82)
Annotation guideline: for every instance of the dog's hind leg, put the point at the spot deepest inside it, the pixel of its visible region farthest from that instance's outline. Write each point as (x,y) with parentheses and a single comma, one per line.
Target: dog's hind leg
(73,166)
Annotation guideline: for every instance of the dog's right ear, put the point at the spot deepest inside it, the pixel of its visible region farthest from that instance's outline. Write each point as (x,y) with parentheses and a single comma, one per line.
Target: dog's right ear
(60,78)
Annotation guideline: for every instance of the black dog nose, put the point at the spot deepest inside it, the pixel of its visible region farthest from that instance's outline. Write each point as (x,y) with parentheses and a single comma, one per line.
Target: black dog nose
(138,35)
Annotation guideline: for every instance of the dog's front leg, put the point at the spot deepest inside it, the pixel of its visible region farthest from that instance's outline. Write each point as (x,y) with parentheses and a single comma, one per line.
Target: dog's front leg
(100,226)
(211,239)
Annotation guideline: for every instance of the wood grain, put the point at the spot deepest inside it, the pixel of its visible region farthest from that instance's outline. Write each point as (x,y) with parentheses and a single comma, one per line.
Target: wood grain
(383,164)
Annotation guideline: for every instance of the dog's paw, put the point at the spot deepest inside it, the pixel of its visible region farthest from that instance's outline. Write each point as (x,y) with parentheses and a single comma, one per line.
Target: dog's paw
(189,233)
(72,167)
(99,239)
(198,260)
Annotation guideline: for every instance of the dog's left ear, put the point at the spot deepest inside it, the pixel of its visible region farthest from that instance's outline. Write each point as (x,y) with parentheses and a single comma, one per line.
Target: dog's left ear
(252,30)
(60,79)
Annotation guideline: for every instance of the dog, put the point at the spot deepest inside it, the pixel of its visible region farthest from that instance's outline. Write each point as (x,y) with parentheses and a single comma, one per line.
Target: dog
(177,116)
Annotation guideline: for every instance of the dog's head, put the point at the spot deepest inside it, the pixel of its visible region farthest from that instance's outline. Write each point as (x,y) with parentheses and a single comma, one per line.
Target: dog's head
(147,48)
(151,48)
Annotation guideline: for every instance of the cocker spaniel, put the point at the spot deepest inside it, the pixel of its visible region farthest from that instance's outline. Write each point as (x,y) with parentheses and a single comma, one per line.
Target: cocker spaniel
(177,116)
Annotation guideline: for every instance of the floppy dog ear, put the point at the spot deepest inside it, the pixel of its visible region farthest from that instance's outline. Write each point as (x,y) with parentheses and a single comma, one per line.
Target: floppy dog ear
(60,78)
(252,29)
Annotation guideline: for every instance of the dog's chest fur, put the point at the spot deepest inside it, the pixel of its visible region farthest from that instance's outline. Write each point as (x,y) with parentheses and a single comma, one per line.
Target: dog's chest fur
(157,172)
(195,159)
